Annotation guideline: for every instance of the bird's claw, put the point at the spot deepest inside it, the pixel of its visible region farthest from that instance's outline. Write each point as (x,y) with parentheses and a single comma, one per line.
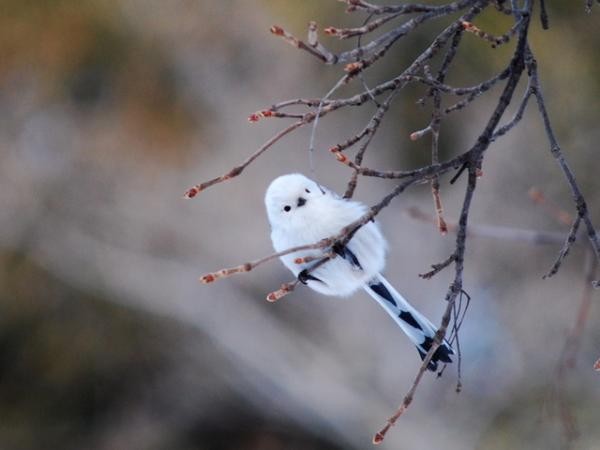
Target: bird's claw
(343,251)
(303,277)
(338,248)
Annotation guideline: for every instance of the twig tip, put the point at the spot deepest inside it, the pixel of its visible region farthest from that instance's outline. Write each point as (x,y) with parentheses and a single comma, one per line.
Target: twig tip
(284,290)
(208,278)
(443,227)
(416,135)
(276,30)
(378,438)
(256,116)
(191,192)
(339,155)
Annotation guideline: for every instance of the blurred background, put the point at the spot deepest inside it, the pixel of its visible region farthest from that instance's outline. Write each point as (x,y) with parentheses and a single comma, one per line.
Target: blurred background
(111,109)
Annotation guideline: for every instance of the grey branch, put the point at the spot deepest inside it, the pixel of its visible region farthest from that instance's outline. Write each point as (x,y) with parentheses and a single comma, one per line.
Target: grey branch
(469,161)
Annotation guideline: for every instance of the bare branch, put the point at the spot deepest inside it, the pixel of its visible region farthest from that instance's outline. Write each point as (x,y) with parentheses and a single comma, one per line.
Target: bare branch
(354,5)
(517,67)
(544,15)
(247,267)
(437,268)
(368,132)
(571,238)
(423,173)
(516,118)
(379,46)
(284,290)
(345,33)
(478,90)
(494,40)
(435,125)
(556,151)
(196,189)
(315,49)
(467,161)
(454,289)
(532,237)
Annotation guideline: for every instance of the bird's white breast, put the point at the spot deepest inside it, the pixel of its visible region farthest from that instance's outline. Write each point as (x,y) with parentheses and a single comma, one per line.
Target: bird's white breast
(325,217)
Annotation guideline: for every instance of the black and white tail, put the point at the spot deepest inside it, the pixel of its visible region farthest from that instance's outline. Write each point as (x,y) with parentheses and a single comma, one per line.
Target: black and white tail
(416,326)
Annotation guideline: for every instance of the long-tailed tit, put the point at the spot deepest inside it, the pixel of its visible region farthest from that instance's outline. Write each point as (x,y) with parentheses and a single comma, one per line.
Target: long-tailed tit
(302,212)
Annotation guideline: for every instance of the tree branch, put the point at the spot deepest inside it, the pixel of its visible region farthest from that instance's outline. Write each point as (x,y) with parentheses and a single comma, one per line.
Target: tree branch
(466,161)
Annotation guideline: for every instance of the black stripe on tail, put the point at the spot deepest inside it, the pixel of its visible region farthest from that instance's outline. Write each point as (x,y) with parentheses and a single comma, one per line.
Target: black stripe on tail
(406,316)
(442,353)
(382,291)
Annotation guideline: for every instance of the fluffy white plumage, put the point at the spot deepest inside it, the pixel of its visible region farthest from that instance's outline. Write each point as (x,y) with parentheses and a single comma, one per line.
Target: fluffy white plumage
(323,215)
(303,212)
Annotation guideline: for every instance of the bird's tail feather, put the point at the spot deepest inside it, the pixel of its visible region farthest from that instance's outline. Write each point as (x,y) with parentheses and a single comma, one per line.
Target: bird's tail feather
(416,326)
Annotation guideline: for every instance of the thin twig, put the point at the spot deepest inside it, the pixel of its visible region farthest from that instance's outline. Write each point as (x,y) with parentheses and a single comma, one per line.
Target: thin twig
(345,33)
(289,287)
(470,161)
(355,5)
(436,268)
(196,189)
(435,125)
(495,41)
(454,289)
(532,237)
(313,131)
(517,117)
(247,267)
(564,251)
(379,46)
(557,153)
(369,131)
(482,88)
(517,67)
(544,15)
(352,183)
(423,173)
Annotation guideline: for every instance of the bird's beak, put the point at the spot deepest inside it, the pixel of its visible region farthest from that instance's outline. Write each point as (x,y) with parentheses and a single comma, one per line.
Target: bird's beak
(301,201)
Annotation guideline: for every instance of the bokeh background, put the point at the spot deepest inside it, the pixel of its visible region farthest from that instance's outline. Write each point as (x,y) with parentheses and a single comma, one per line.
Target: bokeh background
(110,109)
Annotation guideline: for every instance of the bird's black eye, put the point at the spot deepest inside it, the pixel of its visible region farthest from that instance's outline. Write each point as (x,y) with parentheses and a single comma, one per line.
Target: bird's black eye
(286,208)
(307,191)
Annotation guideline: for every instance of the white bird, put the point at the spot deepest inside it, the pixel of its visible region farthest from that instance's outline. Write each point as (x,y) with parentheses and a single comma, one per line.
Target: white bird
(302,212)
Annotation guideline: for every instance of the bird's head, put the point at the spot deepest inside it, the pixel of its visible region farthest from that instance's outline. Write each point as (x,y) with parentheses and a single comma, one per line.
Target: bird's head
(291,198)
